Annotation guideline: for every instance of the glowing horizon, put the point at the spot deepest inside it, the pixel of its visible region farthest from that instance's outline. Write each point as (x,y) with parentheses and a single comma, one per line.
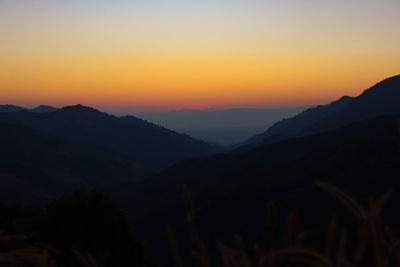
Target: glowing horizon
(175,54)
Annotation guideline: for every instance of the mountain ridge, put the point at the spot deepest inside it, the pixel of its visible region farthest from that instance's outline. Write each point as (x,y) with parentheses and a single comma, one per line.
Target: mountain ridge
(145,143)
(380,99)
(39,109)
(43,108)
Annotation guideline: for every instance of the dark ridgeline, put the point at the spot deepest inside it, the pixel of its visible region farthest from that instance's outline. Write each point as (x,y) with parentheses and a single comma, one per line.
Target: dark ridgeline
(382,98)
(43,109)
(145,144)
(353,143)
(39,109)
(10,108)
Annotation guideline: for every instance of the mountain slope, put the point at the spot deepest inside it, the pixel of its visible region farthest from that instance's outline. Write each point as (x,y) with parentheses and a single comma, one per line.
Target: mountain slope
(380,133)
(35,167)
(230,192)
(383,98)
(144,143)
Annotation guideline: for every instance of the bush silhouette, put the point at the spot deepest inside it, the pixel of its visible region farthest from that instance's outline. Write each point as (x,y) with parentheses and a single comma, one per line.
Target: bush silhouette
(93,224)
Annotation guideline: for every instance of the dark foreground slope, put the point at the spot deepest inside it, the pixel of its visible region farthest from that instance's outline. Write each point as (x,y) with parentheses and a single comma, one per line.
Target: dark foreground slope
(35,167)
(144,143)
(230,192)
(382,98)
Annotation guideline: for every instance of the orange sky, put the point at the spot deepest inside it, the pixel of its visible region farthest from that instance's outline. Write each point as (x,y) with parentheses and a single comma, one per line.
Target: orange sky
(150,55)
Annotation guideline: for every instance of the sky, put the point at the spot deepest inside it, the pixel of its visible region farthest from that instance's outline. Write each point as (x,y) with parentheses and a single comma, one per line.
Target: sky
(171,54)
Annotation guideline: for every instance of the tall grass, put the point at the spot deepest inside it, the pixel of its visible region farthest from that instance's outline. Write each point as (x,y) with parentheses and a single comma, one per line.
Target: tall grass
(376,244)
(37,255)
(373,235)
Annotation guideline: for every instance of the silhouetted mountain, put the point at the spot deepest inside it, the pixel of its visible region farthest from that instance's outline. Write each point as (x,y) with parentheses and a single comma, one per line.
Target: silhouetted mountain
(144,143)
(383,98)
(39,109)
(226,127)
(43,108)
(35,167)
(230,191)
(10,108)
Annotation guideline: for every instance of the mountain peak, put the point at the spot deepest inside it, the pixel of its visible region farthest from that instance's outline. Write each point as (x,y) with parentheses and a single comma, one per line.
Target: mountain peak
(79,108)
(43,108)
(344,98)
(10,108)
(341,101)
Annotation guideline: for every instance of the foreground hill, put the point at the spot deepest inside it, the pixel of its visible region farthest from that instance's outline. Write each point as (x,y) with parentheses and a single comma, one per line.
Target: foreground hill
(35,167)
(144,143)
(230,192)
(225,127)
(382,98)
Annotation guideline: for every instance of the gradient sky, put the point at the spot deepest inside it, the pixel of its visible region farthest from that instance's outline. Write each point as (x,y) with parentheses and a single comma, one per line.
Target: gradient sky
(168,54)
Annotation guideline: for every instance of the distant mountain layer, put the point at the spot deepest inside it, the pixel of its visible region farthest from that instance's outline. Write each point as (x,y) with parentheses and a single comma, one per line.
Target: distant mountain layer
(382,98)
(144,143)
(43,108)
(10,108)
(39,109)
(225,127)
